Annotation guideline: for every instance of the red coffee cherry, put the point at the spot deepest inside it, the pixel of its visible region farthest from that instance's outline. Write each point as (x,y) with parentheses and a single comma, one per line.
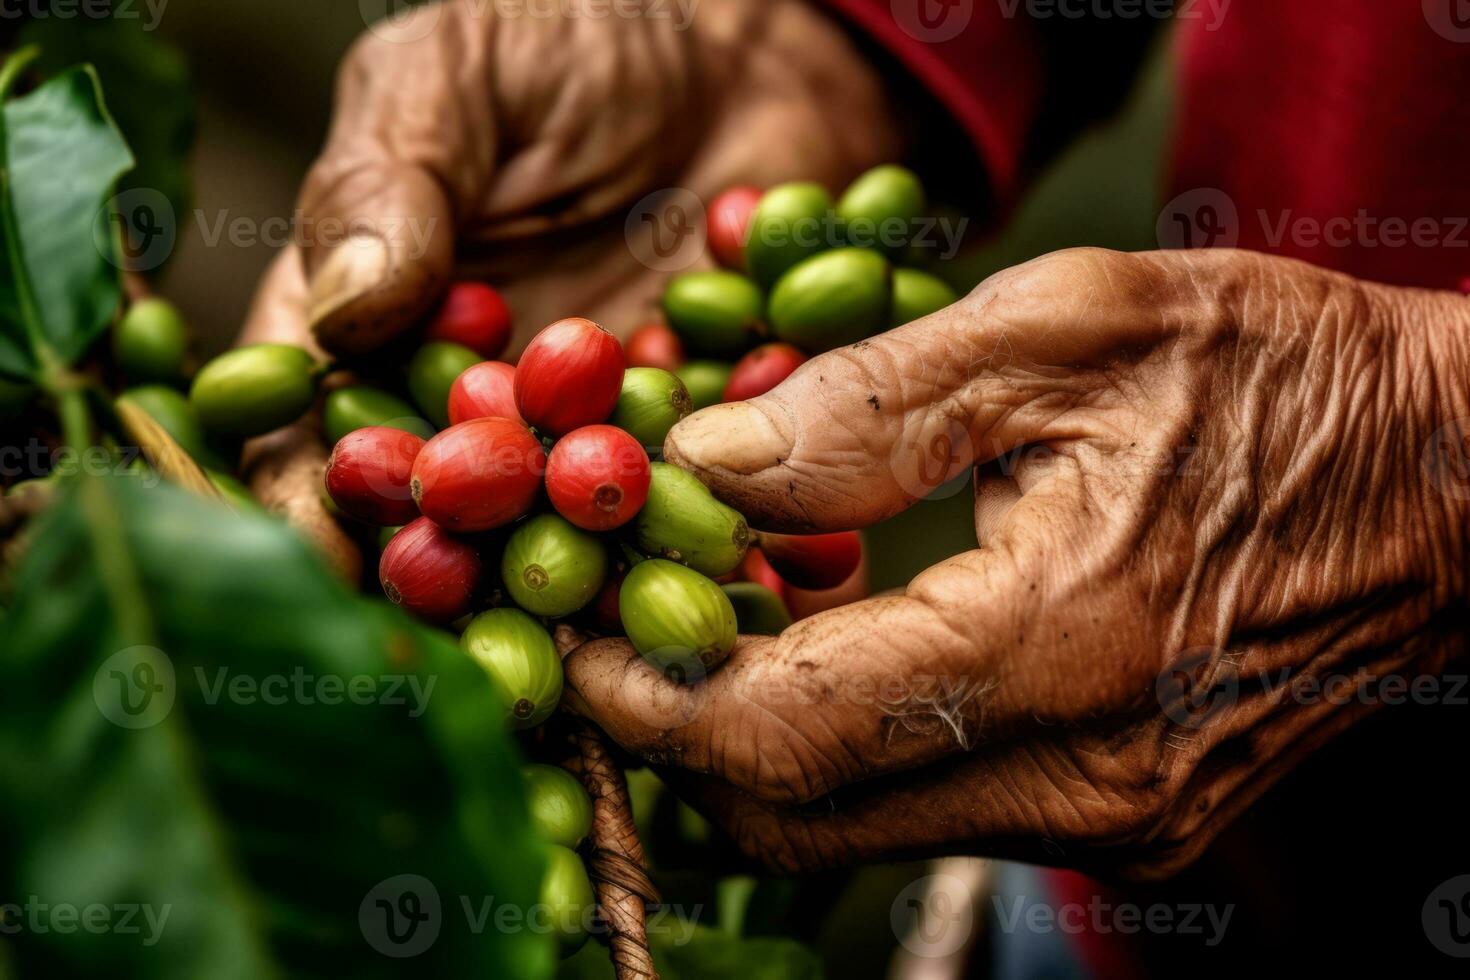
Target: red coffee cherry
(484,391)
(473,315)
(430,572)
(756,569)
(814,561)
(368,475)
(761,370)
(728,222)
(569,376)
(478,474)
(597,477)
(654,345)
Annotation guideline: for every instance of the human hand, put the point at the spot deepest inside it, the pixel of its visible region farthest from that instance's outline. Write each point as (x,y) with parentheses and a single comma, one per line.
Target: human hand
(470,143)
(1200,492)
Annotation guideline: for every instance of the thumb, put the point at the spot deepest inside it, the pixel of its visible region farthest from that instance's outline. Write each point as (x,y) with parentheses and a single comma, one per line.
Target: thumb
(410,137)
(860,433)
(383,254)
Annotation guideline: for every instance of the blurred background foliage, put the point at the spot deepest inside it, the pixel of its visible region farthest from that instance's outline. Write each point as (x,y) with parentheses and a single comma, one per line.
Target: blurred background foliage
(283,815)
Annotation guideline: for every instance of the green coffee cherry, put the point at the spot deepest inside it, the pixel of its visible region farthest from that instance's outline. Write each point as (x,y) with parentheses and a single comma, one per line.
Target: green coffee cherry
(151,342)
(792,222)
(250,391)
(561,810)
(682,521)
(566,895)
(917,294)
(360,406)
(551,567)
(716,312)
(521,659)
(431,374)
(652,400)
(175,415)
(832,299)
(705,381)
(14,397)
(878,209)
(758,610)
(679,620)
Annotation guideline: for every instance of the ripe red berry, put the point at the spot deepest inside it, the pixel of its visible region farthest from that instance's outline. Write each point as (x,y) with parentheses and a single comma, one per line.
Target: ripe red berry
(597,477)
(728,222)
(484,391)
(814,561)
(368,475)
(475,316)
(654,345)
(430,572)
(761,370)
(756,569)
(569,376)
(478,474)
(602,612)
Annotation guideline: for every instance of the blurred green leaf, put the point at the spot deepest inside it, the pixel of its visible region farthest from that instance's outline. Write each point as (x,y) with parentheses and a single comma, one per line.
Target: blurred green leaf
(223,782)
(60,156)
(148,90)
(684,951)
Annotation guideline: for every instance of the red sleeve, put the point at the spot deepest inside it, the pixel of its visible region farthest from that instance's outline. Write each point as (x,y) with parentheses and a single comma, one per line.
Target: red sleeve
(1330,130)
(983,67)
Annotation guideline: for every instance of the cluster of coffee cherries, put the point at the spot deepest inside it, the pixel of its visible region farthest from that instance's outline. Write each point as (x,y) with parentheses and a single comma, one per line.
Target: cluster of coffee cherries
(543,499)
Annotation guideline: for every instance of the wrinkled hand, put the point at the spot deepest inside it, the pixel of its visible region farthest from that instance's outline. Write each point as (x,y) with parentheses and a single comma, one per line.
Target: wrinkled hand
(512,149)
(1200,490)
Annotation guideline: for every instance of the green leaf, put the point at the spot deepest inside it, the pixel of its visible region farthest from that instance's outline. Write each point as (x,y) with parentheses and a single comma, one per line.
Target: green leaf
(60,156)
(684,951)
(251,800)
(148,91)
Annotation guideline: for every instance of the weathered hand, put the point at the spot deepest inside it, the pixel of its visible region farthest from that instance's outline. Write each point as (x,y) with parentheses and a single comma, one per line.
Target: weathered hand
(472,142)
(1200,492)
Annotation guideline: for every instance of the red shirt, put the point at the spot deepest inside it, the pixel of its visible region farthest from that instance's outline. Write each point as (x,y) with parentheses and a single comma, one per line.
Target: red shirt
(1336,131)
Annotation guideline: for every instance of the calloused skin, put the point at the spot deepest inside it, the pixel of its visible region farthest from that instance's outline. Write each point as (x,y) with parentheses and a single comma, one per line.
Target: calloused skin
(1194,470)
(511,149)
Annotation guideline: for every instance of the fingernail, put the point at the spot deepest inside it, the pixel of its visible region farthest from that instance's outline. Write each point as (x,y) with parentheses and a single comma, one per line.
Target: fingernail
(737,438)
(355,268)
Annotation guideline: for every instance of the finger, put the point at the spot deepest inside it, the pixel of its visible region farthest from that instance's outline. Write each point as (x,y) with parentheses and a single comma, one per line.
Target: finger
(278,311)
(284,472)
(378,208)
(858,434)
(995,494)
(874,687)
(1027,804)
(567,639)
(963,658)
